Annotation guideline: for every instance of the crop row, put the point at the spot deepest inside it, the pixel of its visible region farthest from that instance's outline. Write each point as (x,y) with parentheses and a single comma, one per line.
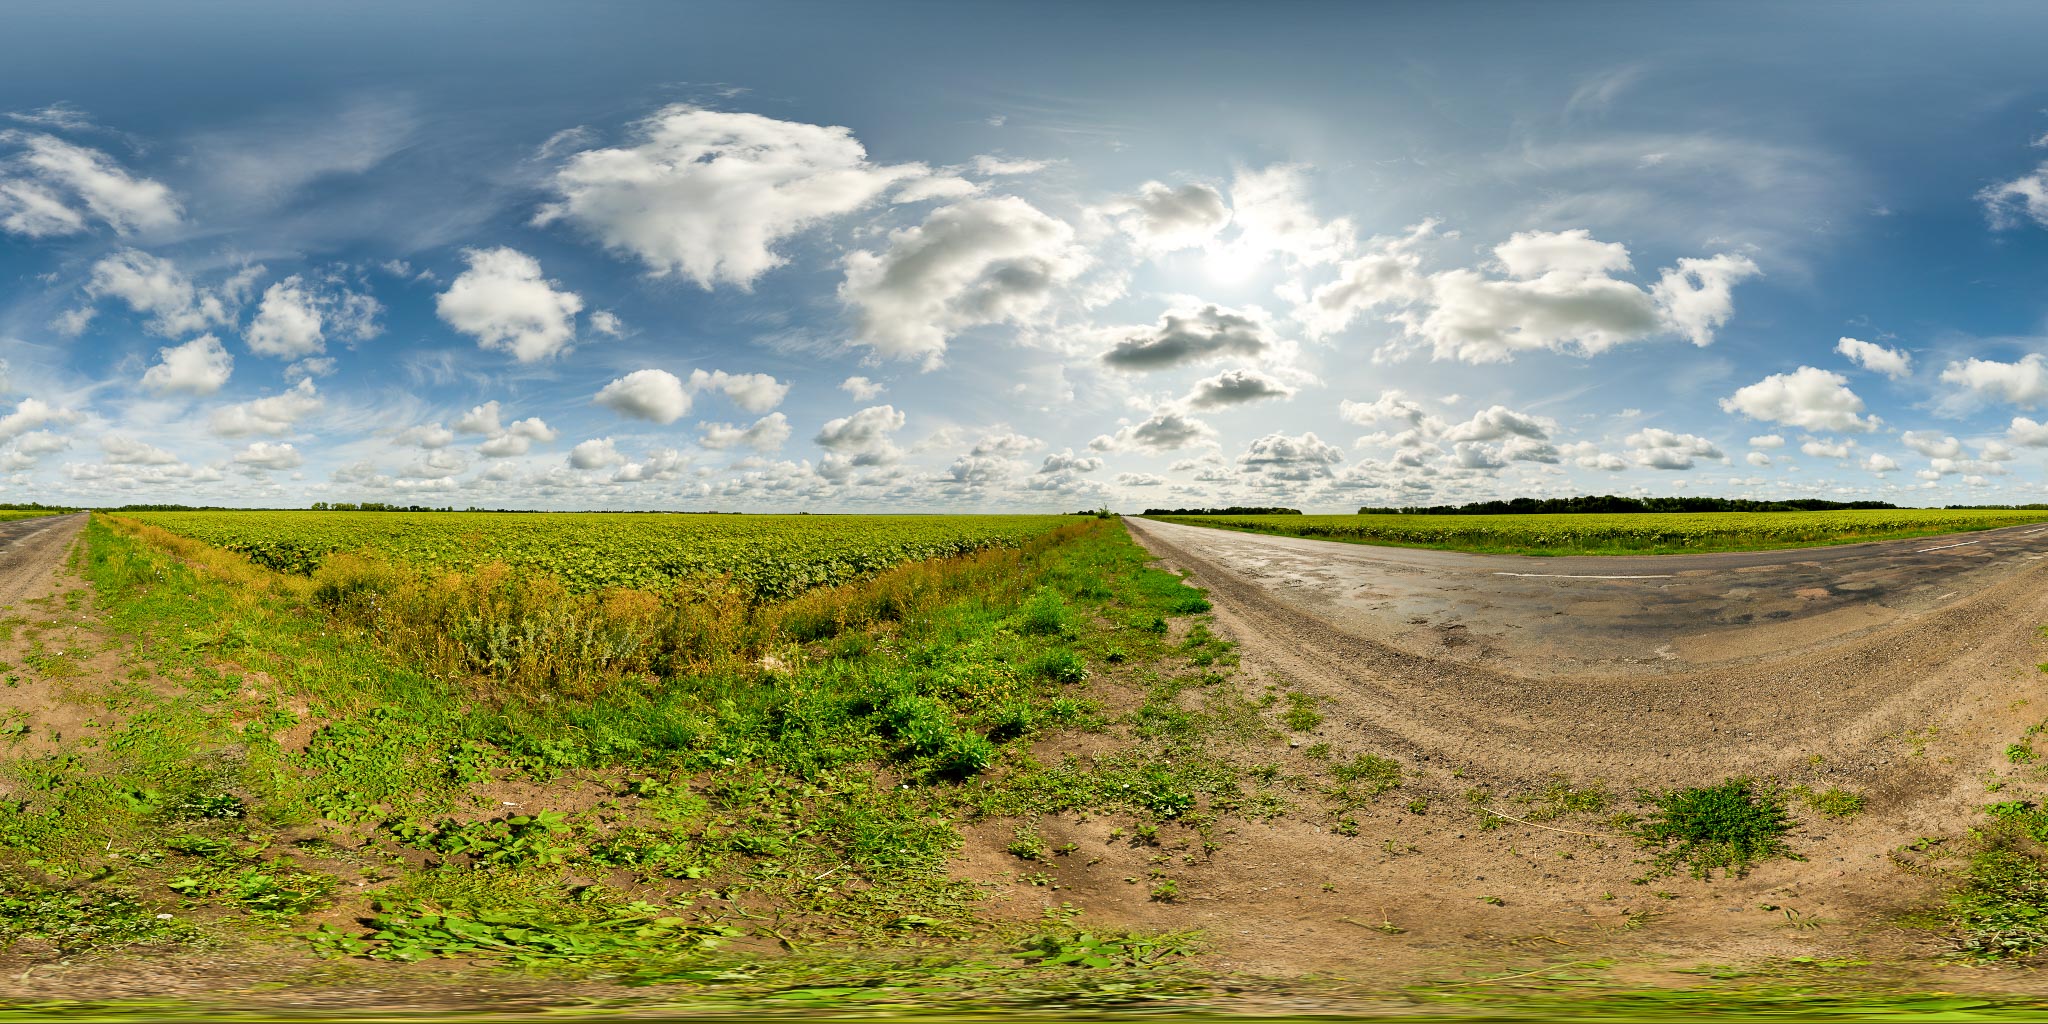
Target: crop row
(1624,531)
(769,556)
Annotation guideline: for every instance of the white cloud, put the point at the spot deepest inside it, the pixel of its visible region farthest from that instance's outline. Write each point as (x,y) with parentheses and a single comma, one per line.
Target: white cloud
(1822,449)
(1498,422)
(754,392)
(1065,461)
(504,302)
(1767,441)
(1271,211)
(198,367)
(1932,443)
(767,434)
(861,388)
(50,187)
(266,456)
(1277,456)
(1392,406)
(1556,291)
(294,317)
(607,323)
(2026,196)
(866,438)
(1807,398)
(596,453)
(1236,387)
(993,166)
(1167,429)
(660,464)
(1892,362)
(972,263)
(1141,480)
(2027,433)
(32,414)
(276,414)
(709,195)
(2024,383)
(126,451)
(1189,335)
(426,435)
(1758,459)
(1657,448)
(1879,462)
(515,438)
(655,395)
(153,285)
(1005,444)
(41,442)
(1163,218)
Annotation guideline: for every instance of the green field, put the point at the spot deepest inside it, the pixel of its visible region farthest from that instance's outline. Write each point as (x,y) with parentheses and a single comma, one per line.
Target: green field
(770,556)
(1629,534)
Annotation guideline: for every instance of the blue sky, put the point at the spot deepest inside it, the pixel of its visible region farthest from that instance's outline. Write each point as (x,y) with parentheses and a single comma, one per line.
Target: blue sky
(926,256)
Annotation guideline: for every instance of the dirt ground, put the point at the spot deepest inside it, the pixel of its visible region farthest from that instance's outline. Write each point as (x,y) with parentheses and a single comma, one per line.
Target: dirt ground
(1903,678)
(1895,672)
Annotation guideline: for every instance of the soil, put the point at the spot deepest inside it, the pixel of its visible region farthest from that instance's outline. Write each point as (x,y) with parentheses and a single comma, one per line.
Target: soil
(1903,683)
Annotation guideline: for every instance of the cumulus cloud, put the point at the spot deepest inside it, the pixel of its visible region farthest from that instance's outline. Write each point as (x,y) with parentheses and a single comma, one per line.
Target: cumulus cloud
(1820,448)
(1273,216)
(122,450)
(766,434)
(709,195)
(607,323)
(971,263)
(1546,290)
(32,414)
(516,438)
(1892,362)
(1163,218)
(660,464)
(1065,461)
(198,367)
(1498,422)
(2027,432)
(267,457)
(426,435)
(51,187)
(861,388)
(1807,398)
(1767,441)
(866,438)
(1758,459)
(1880,463)
(1932,443)
(754,392)
(1391,406)
(1657,448)
(1190,335)
(276,414)
(294,317)
(155,286)
(1004,444)
(654,395)
(1277,456)
(1167,429)
(596,453)
(2023,383)
(2024,198)
(1236,387)
(503,301)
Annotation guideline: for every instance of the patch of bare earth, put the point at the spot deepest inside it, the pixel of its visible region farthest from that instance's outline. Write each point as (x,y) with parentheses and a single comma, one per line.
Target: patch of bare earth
(1913,714)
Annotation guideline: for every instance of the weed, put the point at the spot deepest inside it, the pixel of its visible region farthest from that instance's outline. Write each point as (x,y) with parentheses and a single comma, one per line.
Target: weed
(1373,774)
(1730,826)
(1833,802)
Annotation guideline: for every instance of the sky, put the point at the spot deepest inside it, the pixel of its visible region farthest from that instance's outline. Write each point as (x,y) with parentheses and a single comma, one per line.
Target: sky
(919,257)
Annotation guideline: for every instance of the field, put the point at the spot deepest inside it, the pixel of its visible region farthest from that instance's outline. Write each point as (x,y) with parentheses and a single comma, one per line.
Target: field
(768,556)
(1644,534)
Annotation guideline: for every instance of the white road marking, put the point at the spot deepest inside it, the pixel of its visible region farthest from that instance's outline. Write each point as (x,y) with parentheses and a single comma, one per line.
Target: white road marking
(1945,547)
(1563,576)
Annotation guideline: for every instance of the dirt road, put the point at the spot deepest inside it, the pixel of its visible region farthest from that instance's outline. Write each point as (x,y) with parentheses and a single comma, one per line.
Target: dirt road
(1654,670)
(30,552)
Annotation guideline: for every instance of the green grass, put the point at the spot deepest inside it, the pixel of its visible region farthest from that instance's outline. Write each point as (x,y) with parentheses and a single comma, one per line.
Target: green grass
(1729,827)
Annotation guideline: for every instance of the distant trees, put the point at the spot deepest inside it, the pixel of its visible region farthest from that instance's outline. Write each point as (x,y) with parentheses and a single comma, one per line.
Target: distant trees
(1234,510)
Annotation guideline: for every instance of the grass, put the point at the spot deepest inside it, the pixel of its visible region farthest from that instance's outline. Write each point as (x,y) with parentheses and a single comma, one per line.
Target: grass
(1729,827)
(823,778)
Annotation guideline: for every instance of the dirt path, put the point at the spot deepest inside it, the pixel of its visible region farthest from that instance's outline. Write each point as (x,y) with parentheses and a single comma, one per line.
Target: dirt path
(1681,670)
(31,550)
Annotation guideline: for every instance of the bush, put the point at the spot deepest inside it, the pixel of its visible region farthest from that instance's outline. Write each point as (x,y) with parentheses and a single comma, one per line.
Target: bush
(1730,826)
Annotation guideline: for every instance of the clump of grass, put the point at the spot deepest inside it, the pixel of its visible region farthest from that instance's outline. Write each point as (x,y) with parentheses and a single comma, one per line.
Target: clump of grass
(2001,910)
(1045,615)
(1301,714)
(1731,827)
(1370,772)
(1834,802)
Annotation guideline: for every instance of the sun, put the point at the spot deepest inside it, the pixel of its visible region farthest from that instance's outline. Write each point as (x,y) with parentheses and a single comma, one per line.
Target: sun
(1232,264)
